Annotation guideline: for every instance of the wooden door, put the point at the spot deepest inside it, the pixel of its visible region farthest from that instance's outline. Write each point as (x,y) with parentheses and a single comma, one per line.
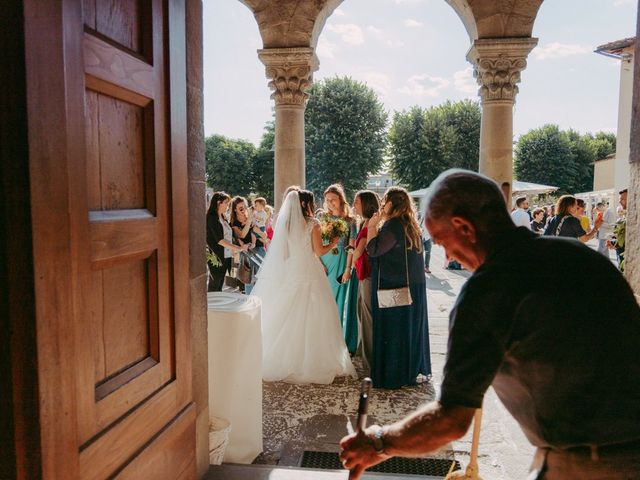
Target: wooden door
(107,139)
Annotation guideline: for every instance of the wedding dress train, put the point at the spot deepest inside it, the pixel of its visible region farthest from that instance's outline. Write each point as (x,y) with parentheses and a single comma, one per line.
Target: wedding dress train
(301,334)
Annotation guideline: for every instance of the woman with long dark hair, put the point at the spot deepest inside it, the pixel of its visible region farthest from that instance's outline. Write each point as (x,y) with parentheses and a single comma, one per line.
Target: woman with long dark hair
(365,205)
(400,333)
(565,223)
(220,240)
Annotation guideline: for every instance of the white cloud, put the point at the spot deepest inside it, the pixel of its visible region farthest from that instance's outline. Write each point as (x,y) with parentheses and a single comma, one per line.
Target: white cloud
(560,50)
(424,85)
(338,12)
(464,82)
(378,81)
(388,40)
(619,3)
(349,32)
(411,23)
(400,2)
(325,48)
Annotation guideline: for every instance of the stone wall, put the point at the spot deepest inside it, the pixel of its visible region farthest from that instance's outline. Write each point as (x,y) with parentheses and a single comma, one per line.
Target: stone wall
(197,239)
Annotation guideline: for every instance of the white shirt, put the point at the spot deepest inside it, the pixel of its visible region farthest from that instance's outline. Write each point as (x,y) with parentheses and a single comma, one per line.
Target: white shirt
(260,218)
(228,236)
(608,220)
(521,218)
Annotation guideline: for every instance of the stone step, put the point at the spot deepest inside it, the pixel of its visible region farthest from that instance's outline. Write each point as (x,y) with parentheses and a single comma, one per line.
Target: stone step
(230,471)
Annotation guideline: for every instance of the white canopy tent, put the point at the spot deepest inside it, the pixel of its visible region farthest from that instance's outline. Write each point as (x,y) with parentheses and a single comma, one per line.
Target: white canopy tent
(528,188)
(519,188)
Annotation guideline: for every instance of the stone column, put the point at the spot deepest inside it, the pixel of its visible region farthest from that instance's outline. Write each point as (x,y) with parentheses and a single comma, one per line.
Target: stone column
(497,66)
(290,71)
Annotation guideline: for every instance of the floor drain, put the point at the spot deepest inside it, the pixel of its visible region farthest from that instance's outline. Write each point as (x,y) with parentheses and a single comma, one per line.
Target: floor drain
(435,467)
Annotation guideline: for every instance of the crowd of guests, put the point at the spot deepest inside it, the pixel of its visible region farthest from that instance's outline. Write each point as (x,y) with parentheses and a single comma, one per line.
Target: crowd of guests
(234,227)
(381,249)
(569,218)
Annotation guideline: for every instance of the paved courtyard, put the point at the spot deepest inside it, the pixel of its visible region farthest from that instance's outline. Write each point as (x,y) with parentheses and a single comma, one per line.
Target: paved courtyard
(314,417)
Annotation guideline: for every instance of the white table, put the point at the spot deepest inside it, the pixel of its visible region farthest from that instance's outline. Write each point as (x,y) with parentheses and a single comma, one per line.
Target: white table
(235,371)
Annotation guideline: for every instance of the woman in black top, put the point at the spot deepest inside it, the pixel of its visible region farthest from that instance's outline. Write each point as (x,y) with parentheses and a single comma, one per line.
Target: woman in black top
(219,240)
(246,232)
(565,224)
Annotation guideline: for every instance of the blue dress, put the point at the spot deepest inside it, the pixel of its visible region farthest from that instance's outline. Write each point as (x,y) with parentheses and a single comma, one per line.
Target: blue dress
(345,294)
(400,334)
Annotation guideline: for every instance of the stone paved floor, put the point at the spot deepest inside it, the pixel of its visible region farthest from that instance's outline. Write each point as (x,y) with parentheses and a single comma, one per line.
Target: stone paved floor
(299,417)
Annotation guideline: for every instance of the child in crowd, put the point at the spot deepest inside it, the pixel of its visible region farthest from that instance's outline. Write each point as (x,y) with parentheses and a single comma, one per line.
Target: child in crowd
(260,213)
(269,222)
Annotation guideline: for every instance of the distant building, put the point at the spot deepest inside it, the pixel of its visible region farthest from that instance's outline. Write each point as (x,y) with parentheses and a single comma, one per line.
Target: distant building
(603,173)
(623,51)
(380,182)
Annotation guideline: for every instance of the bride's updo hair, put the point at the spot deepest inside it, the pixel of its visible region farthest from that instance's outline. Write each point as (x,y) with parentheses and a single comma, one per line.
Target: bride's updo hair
(307,203)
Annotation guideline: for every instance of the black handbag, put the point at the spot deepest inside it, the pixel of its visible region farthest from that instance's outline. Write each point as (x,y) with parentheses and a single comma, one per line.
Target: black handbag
(243,272)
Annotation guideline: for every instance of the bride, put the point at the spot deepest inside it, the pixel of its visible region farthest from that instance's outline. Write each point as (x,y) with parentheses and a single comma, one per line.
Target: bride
(301,334)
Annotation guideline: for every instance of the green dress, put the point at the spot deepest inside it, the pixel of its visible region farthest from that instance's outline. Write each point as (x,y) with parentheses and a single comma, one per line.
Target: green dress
(346,295)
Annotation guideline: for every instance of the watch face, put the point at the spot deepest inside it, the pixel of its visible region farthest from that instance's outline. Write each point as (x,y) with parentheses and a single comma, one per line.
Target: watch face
(378,443)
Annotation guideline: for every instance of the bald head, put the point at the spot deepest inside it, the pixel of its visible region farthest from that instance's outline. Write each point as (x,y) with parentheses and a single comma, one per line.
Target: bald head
(474,197)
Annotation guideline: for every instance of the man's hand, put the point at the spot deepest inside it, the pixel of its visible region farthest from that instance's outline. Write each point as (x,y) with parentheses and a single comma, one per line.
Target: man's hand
(358,453)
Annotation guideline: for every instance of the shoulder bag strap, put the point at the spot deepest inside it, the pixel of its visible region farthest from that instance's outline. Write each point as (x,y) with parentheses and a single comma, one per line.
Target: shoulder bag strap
(406,261)
(559,227)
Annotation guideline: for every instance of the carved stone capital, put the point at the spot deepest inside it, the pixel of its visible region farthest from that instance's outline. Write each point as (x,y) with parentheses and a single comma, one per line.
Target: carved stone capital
(497,66)
(291,71)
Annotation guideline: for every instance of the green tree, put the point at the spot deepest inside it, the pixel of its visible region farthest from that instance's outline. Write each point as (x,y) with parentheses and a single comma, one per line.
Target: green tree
(543,155)
(229,164)
(425,142)
(582,158)
(345,134)
(602,144)
(263,164)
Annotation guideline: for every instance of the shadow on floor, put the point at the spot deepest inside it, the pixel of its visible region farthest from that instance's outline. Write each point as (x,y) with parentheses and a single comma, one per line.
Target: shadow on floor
(314,417)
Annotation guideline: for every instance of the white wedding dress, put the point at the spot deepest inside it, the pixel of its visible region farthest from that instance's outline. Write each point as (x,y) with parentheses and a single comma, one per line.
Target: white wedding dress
(301,333)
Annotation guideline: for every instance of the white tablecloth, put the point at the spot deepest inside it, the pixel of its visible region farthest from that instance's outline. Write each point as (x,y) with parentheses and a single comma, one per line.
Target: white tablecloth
(235,371)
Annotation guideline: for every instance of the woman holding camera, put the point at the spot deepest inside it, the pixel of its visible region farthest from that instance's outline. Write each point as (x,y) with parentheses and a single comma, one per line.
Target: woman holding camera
(220,240)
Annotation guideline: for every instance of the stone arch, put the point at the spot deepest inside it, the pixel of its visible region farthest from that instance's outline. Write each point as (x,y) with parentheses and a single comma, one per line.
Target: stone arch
(291,24)
(497,19)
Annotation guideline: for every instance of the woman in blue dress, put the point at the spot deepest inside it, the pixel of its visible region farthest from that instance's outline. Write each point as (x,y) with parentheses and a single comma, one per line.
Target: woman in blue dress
(400,334)
(338,265)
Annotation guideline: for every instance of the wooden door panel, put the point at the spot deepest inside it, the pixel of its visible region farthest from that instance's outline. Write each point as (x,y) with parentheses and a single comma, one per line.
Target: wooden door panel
(125,291)
(109,196)
(124,439)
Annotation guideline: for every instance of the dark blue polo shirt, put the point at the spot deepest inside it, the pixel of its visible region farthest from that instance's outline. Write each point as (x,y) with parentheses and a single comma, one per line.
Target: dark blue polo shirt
(554,327)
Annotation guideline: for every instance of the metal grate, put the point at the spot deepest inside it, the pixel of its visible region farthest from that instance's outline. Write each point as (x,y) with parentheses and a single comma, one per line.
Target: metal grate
(435,467)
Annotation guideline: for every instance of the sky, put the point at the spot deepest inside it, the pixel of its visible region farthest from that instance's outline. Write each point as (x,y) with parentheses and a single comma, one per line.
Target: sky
(413,52)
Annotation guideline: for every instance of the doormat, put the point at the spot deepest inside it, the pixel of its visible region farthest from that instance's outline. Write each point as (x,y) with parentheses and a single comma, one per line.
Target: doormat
(435,467)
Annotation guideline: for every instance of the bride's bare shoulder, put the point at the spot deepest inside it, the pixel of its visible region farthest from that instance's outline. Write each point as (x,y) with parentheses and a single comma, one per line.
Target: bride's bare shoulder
(312,221)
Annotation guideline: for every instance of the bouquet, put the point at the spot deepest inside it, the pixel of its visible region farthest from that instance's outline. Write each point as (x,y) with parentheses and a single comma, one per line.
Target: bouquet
(213,258)
(332,228)
(619,233)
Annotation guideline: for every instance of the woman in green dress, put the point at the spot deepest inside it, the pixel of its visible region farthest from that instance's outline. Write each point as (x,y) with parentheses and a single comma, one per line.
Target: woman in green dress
(338,264)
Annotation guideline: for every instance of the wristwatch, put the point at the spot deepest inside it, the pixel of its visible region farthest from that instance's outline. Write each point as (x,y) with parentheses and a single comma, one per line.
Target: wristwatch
(378,439)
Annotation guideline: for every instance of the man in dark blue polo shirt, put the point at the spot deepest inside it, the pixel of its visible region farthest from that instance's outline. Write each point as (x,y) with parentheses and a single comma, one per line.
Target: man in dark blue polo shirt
(566,367)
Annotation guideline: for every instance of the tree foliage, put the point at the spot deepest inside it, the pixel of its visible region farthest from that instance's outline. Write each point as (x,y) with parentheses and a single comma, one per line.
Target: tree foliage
(564,159)
(425,142)
(263,164)
(229,164)
(345,134)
